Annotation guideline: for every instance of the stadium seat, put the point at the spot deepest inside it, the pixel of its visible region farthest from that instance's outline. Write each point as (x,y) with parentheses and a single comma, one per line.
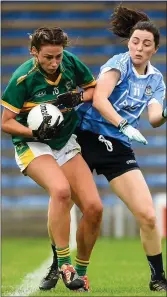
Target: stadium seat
(37,201)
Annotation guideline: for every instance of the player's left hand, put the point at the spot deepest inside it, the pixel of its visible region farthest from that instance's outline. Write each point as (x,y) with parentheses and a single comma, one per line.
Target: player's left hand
(164,113)
(69,99)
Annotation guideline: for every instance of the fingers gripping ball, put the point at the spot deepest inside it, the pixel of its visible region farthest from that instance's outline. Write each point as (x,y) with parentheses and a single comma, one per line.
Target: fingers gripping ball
(41,112)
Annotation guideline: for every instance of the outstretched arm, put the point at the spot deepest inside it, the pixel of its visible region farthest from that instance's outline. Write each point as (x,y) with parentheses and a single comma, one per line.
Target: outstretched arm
(104,88)
(156,115)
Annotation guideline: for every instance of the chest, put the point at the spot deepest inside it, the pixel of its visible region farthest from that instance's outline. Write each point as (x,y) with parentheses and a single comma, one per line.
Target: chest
(43,90)
(132,96)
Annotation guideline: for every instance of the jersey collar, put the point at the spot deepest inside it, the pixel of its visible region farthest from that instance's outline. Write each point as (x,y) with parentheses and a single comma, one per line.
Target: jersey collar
(56,82)
(150,70)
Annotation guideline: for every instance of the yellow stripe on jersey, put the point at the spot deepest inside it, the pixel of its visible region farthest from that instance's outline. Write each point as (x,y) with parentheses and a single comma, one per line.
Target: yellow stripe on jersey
(29,105)
(9,106)
(56,82)
(92,84)
(23,77)
(26,157)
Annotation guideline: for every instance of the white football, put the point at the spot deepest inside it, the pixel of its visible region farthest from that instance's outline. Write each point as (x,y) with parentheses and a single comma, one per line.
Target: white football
(39,112)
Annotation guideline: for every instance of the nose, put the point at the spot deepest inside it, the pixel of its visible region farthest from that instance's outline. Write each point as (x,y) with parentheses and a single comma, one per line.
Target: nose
(54,63)
(139,47)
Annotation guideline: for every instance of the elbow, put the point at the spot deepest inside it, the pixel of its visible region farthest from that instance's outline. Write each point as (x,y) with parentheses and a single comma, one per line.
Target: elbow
(3,127)
(95,103)
(155,125)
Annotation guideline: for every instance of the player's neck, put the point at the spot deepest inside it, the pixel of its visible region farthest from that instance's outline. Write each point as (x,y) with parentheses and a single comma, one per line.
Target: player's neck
(54,76)
(141,70)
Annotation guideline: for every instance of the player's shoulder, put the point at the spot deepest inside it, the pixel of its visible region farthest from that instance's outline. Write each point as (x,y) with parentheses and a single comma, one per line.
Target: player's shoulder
(120,58)
(156,72)
(69,57)
(21,73)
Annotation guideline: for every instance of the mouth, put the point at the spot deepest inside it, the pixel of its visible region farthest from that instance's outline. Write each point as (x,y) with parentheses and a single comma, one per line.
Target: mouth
(138,57)
(52,70)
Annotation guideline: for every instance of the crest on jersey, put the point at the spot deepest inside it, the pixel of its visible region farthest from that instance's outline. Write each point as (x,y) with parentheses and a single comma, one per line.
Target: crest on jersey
(148,91)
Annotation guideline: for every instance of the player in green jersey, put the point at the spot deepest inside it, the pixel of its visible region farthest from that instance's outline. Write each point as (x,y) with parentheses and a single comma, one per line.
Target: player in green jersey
(55,164)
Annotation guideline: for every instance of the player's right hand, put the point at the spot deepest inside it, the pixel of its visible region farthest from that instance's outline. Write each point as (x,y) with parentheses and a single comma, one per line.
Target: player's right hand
(47,132)
(132,133)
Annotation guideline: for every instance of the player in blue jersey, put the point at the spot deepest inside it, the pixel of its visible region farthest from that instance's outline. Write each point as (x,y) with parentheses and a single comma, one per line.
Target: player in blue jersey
(127,84)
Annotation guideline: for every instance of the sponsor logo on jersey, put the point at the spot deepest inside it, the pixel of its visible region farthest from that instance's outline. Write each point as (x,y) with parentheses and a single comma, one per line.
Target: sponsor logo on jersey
(40,94)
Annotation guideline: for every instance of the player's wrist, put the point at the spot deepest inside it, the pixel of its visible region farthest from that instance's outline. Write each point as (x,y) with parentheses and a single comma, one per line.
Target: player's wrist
(164,113)
(123,123)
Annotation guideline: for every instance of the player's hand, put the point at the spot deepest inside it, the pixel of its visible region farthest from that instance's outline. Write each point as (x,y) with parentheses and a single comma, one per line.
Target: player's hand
(132,133)
(164,113)
(69,99)
(47,132)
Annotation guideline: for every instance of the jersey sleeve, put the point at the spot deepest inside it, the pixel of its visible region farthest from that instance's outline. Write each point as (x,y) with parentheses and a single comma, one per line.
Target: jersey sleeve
(159,93)
(118,62)
(14,95)
(84,77)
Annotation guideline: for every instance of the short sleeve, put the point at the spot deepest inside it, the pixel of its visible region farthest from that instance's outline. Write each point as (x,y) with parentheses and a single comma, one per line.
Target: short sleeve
(159,94)
(118,62)
(14,95)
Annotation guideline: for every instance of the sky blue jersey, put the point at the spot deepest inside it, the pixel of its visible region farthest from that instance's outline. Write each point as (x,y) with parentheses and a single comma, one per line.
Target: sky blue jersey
(131,95)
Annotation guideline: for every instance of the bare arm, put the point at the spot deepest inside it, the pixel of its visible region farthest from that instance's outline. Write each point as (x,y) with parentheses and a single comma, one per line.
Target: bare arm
(105,85)
(11,126)
(155,115)
(88,94)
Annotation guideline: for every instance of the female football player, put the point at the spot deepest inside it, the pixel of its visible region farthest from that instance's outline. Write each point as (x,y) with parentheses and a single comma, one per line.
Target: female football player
(51,155)
(127,84)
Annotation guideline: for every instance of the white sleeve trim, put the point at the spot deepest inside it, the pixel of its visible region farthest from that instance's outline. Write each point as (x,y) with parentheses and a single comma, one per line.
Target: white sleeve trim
(153,100)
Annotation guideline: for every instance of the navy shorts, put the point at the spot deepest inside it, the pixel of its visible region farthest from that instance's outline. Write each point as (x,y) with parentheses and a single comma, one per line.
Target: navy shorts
(108,156)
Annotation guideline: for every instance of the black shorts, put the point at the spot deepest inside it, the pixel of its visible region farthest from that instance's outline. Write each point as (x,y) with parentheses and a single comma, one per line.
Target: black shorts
(108,156)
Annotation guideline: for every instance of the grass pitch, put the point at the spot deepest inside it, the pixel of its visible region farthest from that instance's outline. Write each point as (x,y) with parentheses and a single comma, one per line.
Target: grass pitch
(117,268)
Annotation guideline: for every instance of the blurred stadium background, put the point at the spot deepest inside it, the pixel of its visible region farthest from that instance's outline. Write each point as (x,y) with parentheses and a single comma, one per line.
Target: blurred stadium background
(24,204)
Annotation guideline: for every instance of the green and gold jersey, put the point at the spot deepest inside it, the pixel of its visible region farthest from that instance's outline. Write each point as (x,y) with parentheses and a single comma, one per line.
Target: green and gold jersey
(29,86)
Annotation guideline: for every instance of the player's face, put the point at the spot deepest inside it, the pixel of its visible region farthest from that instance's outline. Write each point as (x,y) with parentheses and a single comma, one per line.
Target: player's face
(50,57)
(141,47)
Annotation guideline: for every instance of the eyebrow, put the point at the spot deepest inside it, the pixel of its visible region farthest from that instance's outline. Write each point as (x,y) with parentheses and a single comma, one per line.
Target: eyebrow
(49,55)
(144,39)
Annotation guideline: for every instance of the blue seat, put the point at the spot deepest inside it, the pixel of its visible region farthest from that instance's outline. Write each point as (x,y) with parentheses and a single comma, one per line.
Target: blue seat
(156,14)
(152,160)
(19,181)
(153,141)
(8,162)
(34,201)
(14,51)
(144,124)
(55,15)
(101,181)
(110,200)
(6,144)
(156,180)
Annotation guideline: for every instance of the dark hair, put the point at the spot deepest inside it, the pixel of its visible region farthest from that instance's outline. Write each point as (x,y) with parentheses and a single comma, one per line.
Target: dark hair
(125,21)
(44,36)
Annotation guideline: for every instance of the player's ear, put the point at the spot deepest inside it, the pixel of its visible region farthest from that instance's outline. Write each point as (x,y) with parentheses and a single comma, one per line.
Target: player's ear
(34,51)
